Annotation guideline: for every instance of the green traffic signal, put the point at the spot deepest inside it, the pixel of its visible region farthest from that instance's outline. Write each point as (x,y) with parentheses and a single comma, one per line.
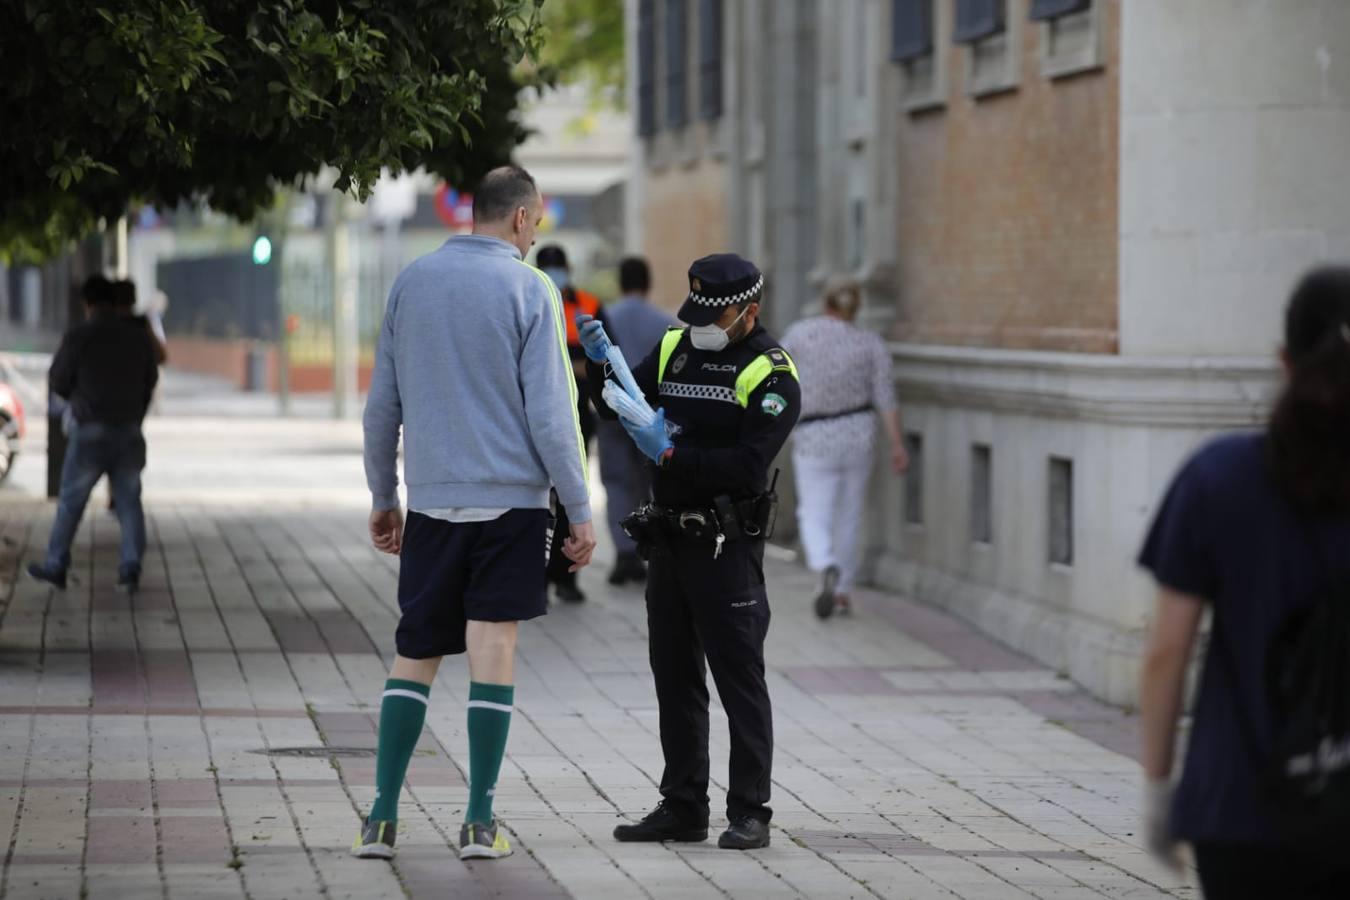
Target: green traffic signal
(262,250)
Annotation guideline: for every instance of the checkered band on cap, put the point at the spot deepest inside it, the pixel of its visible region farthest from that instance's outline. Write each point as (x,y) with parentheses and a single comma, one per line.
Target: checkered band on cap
(751,292)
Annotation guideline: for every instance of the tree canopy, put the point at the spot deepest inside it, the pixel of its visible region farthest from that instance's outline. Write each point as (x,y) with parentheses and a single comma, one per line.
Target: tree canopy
(586,46)
(104,105)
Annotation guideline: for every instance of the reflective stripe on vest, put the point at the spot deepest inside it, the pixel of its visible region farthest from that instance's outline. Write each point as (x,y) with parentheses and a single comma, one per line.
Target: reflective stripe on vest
(669,342)
(750,378)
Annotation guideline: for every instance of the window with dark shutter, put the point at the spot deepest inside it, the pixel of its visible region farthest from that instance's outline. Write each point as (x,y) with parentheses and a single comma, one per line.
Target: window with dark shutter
(710,59)
(676,24)
(646,74)
(978,19)
(911,29)
(1052,9)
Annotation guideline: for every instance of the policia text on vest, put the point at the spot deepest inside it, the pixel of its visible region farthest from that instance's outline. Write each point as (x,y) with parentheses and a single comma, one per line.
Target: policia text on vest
(705,592)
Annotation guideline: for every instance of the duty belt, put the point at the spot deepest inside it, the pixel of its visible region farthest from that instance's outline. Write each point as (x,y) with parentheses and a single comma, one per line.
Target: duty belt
(744,520)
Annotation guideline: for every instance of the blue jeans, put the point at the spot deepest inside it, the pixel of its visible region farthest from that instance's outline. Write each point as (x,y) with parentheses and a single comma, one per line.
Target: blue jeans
(94,450)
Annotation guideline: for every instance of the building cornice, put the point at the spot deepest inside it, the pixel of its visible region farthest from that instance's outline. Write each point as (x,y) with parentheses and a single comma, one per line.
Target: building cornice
(1163,392)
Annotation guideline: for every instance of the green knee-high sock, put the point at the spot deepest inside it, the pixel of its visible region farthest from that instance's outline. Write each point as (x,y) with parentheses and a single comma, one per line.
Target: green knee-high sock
(489,721)
(402,712)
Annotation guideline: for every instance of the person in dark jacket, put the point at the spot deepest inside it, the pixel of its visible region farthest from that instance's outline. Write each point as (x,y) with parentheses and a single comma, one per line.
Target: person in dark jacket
(1256,526)
(106,368)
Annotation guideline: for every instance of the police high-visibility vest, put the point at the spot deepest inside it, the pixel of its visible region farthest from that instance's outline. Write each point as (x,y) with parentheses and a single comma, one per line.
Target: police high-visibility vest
(575,303)
(749,378)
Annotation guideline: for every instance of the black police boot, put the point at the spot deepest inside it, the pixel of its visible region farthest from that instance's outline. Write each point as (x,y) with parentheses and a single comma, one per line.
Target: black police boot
(662,824)
(745,833)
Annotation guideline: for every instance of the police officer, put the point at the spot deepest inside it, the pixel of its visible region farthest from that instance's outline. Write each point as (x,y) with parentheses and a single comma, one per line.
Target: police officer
(732,391)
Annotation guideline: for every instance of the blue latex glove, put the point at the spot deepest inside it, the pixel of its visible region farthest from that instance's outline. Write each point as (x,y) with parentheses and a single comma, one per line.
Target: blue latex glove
(652,440)
(593,338)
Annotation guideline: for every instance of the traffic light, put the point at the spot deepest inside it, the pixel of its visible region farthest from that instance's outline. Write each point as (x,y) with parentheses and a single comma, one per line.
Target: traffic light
(262,250)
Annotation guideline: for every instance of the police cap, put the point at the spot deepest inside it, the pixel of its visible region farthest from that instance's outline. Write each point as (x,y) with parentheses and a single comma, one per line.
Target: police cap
(716,282)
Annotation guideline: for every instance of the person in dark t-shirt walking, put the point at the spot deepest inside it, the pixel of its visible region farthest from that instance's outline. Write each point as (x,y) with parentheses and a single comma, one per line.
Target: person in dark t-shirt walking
(106,368)
(1257,527)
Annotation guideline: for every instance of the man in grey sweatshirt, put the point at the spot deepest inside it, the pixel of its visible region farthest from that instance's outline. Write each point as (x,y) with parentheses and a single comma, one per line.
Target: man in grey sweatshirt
(472,365)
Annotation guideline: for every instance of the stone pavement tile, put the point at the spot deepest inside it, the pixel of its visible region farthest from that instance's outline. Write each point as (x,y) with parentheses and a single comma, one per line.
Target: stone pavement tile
(116,840)
(966,878)
(1028,873)
(894,879)
(808,873)
(1113,882)
(45,882)
(121,881)
(207,882)
(124,794)
(580,855)
(219,681)
(288,875)
(738,874)
(51,822)
(194,839)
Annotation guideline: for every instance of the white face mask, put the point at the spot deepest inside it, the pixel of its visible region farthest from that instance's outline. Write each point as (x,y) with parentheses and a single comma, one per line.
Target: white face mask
(711,337)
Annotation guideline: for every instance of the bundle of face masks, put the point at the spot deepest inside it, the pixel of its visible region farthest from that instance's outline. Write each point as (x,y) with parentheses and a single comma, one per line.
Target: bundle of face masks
(625,398)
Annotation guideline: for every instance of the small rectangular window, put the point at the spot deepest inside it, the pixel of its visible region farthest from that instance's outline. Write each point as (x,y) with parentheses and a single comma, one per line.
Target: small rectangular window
(914,479)
(676,26)
(710,59)
(981,494)
(979,19)
(646,65)
(911,29)
(1043,10)
(1061,511)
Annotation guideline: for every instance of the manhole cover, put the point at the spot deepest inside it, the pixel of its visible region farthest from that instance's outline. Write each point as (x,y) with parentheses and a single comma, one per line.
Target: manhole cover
(321,752)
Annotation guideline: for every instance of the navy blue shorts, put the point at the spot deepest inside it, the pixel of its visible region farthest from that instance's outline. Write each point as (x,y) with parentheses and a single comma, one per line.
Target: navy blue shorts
(450,572)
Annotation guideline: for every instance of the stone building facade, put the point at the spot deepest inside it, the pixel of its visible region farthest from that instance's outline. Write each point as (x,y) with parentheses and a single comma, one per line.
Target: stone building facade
(1078,222)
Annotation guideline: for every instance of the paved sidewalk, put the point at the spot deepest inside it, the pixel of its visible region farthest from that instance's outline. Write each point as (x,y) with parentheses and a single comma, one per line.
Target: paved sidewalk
(214,737)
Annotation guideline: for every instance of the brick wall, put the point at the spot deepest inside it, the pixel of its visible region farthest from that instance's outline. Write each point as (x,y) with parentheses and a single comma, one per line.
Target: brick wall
(684,214)
(1007,224)
(228,359)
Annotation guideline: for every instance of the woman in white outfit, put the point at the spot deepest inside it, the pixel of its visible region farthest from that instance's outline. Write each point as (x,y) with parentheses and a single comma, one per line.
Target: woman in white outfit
(846,382)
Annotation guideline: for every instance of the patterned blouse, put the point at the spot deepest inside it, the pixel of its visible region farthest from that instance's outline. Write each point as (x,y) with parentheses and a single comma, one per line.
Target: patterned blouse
(842,367)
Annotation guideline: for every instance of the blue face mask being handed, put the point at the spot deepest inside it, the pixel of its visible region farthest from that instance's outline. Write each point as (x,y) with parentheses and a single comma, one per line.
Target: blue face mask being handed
(561,277)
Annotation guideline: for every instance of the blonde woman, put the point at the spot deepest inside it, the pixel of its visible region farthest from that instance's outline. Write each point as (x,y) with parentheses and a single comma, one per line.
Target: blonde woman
(846,382)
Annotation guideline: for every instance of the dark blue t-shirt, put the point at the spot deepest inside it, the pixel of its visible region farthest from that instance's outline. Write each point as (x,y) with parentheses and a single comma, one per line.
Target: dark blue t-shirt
(1227,534)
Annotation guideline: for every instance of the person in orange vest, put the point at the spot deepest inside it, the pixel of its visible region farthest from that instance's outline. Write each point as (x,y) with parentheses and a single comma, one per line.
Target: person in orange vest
(552,259)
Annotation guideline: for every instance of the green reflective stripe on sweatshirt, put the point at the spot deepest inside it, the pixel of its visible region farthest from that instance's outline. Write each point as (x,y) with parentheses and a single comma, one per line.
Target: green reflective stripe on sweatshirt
(764,365)
(555,300)
(668,345)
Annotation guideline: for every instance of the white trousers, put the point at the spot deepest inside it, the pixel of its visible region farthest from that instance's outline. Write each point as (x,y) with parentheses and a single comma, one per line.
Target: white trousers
(831,493)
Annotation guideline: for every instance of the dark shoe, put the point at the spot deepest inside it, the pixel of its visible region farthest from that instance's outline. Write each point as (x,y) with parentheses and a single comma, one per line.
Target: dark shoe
(746,833)
(825,601)
(129,581)
(376,840)
(662,824)
(55,577)
(568,592)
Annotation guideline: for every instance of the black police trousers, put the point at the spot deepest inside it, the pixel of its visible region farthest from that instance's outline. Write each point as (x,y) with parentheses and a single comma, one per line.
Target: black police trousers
(699,607)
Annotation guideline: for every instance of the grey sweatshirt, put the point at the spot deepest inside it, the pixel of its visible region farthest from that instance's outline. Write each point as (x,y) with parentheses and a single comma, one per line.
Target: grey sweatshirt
(472,364)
